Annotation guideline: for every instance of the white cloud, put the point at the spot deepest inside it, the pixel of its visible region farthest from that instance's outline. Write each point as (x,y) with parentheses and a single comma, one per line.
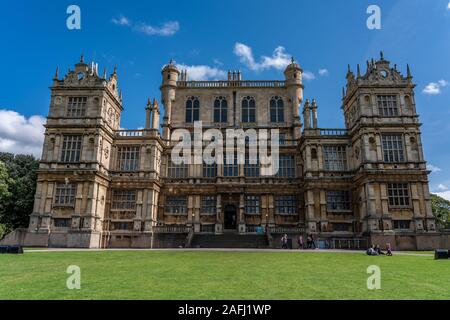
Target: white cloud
(442,187)
(448,6)
(167,29)
(434,88)
(202,72)
(433,168)
(308,75)
(323,72)
(19,134)
(445,195)
(218,62)
(121,21)
(279,59)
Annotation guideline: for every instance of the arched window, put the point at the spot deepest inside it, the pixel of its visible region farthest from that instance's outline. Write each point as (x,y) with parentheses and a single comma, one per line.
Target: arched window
(220,110)
(192,109)
(276,109)
(248,109)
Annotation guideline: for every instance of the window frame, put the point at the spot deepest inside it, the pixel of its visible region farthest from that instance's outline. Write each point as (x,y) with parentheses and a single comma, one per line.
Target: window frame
(231,169)
(174,202)
(393,149)
(399,195)
(335,157)
(208,205)
(66,191)
(286,205)
(220,110)
(71,148)
(248,110)
(76,106)
(276,109)
(192,109)
(177,171)
(286,166)
(128,163)
(252,204)
(341,200)
(123,200)
(387,105)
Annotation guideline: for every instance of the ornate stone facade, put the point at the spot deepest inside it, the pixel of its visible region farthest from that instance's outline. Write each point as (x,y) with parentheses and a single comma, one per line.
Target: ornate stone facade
(100,186)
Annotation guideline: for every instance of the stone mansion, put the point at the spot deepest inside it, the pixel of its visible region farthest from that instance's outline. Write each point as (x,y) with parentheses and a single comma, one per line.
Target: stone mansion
(100,186)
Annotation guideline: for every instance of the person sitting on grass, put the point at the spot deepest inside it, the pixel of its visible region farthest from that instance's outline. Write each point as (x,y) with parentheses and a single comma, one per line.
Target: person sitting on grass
(371,251)
(378,250)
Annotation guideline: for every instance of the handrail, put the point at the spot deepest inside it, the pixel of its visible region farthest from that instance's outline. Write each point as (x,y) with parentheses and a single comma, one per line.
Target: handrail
(130,133)
(228,84)
(333,132)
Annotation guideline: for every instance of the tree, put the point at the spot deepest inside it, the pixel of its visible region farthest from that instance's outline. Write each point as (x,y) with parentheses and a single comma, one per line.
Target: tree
(5,195)
(441,210)
(21,187)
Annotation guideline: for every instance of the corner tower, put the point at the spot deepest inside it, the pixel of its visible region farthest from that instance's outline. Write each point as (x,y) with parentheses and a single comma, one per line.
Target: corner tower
(391,181)
(69,207)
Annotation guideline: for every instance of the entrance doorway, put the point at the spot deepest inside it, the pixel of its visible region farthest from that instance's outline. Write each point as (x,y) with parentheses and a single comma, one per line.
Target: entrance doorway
(230,214)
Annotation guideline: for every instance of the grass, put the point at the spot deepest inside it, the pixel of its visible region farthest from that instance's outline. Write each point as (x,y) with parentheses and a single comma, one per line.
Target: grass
(220,275)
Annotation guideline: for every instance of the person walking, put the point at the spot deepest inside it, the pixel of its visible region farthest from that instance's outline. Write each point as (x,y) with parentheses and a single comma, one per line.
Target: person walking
(300,242)
(388,249)
(284,241)
(313,244)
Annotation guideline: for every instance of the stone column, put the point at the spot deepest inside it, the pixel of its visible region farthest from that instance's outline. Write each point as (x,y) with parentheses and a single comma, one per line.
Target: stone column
(241,213)
(219,215)
(271,210)
(196,213)
(139,211)
(190,211)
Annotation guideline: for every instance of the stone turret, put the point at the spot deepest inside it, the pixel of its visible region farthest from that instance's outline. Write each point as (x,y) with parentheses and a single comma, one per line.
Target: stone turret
(170,75)
(293,75)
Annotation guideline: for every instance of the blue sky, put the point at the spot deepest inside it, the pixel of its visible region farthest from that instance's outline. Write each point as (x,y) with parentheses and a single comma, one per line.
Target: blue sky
(139,37)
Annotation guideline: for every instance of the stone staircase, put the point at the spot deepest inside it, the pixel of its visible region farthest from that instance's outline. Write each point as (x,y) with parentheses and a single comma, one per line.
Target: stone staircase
(229,240)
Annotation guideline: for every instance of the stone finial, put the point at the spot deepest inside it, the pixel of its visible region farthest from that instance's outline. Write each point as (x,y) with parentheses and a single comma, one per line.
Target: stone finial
(115,70)
(155,103)
(408,71)
(120,94)
(359,70)
(381,55)
(149,103)
(82,58)
(292,60)
(56,74)
(306,103)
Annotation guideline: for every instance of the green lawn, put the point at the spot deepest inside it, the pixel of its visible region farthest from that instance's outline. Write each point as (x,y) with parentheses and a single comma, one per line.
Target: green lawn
(220,275)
